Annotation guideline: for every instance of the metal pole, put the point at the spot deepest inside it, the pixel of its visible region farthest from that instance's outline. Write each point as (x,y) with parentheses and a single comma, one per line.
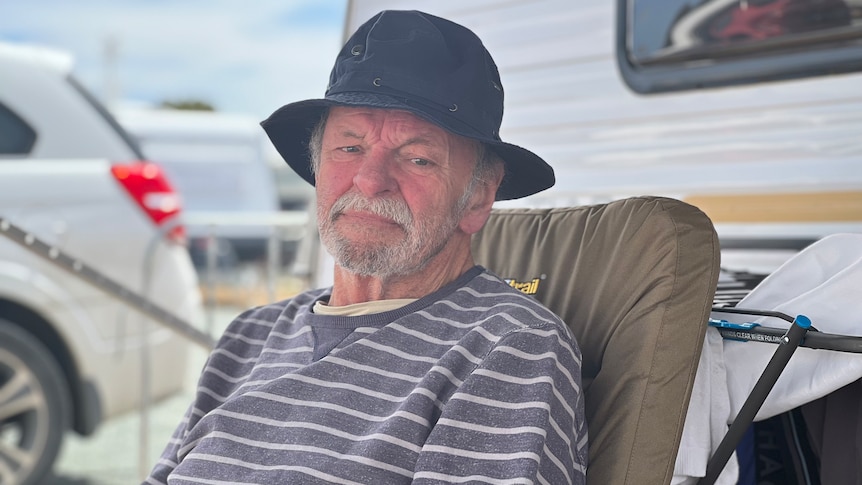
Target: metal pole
(273,262)
(765,383)
(212,260)
(146,357)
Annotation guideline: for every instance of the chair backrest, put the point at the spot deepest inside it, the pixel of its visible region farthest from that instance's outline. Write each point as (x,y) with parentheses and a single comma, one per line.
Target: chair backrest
(634,279)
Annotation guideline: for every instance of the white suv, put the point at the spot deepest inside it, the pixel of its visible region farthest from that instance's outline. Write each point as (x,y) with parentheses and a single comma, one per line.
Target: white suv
(70,353)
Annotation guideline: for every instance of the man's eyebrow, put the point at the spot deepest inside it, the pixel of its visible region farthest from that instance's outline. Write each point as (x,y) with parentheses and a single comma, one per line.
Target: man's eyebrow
(350,134)
(419,140)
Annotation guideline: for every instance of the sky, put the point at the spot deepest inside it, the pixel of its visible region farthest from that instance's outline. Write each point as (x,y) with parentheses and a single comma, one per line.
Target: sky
(241,57)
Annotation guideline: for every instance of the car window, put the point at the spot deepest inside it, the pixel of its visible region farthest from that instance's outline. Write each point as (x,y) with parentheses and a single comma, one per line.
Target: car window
(131,142)
(16,136)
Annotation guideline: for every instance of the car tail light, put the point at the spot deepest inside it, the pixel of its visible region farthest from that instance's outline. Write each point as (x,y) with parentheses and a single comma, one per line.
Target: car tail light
(148,185)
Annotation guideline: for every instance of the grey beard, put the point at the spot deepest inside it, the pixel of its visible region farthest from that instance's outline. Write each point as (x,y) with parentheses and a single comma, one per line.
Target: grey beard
(421,241)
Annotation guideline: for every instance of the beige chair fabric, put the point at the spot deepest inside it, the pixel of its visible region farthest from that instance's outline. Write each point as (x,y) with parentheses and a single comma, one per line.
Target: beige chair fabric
(635,280)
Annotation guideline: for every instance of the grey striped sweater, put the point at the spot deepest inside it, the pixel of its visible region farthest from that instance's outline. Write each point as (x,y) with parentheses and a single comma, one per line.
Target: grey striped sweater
(475,383)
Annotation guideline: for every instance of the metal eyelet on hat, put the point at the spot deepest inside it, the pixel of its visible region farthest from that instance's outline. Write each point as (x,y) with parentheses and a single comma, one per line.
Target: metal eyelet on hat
(356,50)
(376,81)
(454,108)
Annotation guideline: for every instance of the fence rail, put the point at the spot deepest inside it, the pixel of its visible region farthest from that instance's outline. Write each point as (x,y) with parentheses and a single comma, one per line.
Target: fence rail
(285,225)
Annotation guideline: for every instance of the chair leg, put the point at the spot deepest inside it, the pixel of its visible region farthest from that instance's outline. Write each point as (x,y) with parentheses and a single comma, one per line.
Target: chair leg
(788,345)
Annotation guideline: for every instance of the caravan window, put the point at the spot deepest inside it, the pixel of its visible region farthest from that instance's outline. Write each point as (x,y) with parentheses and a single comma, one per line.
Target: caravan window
(667,45)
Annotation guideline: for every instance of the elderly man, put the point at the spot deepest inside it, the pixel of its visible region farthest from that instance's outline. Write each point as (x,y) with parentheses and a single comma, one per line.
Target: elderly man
(416,365)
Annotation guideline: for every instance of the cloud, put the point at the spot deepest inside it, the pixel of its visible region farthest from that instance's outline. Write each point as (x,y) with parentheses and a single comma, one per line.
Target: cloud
(241,56)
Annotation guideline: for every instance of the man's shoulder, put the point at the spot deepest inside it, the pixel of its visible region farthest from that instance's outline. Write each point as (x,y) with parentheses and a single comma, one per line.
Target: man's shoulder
(489,284)
(502,311)
(493,294)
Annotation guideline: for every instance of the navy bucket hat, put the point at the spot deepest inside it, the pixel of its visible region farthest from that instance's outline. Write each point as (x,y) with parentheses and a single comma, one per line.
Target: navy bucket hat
(429,66)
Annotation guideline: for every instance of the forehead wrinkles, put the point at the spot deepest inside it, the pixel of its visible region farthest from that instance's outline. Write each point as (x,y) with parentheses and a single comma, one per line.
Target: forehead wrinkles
(397,128)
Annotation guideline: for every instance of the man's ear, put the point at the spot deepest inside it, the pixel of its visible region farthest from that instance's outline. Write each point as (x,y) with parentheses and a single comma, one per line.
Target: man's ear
(479,207)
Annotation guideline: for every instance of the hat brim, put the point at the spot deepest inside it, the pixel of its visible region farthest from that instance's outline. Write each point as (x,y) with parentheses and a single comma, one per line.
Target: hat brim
(289,128)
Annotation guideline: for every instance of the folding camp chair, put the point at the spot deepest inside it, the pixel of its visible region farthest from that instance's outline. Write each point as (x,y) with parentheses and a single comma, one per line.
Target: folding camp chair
(635,280)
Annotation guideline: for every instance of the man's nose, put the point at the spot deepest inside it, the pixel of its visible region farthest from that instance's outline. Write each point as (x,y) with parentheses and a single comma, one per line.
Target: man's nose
(374,176)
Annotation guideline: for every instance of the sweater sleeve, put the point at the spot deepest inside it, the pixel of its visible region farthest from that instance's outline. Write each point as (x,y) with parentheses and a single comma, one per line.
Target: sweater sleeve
(517,418)
(168,460)
(212,390)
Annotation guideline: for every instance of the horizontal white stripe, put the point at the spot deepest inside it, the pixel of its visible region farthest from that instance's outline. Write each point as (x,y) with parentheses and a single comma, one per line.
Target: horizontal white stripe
(209,392)
(341,409)
(491,429)
(529,301)
(223,375)
(197,412)
(490,337)
(232,356)
(293,350)
(480,455)
(531,381)
(243,338)
(447,374)
(432,396)
(469,325)
(231,461)
(501,404)
(371,369)
(280,365)
(421,336)
(207,481)
(260,382)
(322,429)
(396,352)
(497,306)
(290,336)
(182,451)
(486,456)
(169,463)
(442,477)
(512,431)
(362,460)
(257,321)
(554,332)
(534,357)
(328,384)
(467,355)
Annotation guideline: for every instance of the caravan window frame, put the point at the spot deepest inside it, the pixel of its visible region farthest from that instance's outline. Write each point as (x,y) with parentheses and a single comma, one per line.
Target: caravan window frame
(793,56)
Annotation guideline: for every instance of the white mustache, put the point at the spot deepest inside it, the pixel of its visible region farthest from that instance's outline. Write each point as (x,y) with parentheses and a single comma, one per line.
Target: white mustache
(392,209)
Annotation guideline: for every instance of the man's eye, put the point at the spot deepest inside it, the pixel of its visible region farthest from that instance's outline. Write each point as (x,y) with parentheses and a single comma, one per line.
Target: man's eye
(351,149)
(421,162)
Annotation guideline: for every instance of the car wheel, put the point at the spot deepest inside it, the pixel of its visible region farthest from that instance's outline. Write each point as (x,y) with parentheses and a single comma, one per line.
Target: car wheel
(34,407)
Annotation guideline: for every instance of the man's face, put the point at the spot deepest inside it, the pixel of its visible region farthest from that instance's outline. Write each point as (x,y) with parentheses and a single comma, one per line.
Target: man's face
(391,189)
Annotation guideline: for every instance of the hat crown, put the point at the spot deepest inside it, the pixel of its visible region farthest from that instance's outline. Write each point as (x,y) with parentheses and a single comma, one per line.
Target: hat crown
(426,65)
(427,62)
